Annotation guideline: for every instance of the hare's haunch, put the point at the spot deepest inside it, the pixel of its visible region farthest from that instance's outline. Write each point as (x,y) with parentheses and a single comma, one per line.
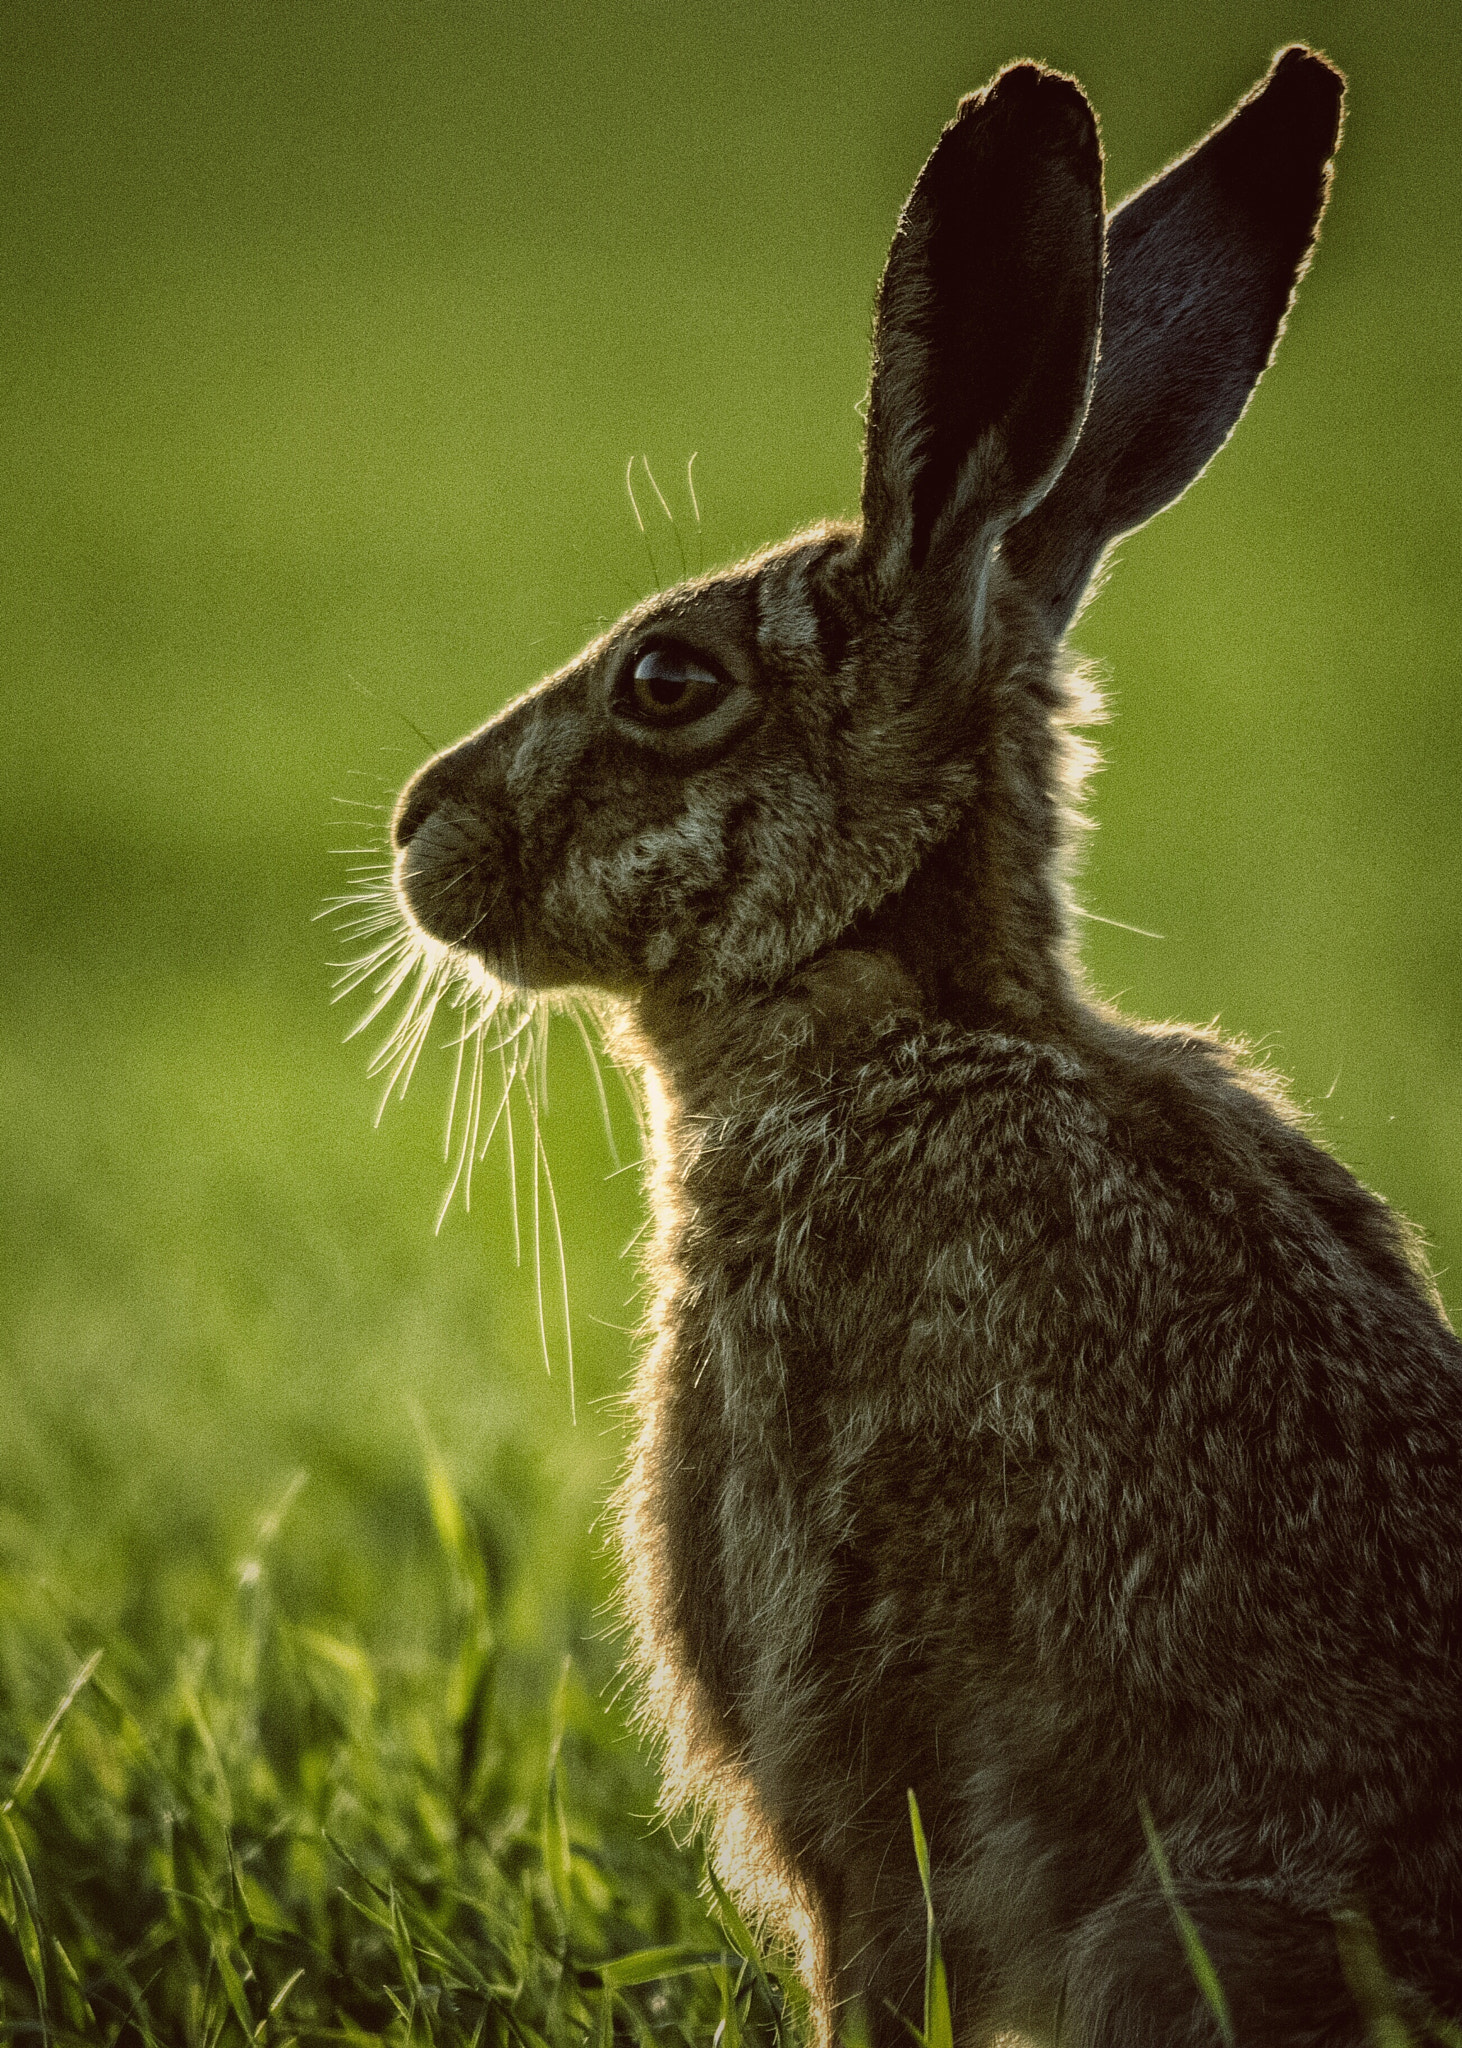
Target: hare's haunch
(1036,1417)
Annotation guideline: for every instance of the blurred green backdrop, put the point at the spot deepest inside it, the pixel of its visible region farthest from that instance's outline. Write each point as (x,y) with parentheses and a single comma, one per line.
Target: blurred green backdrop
(328,332)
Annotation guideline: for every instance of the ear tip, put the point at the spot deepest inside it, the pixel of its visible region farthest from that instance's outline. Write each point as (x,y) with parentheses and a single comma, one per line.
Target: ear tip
(1271,157)
(1305,87)
(1040,99)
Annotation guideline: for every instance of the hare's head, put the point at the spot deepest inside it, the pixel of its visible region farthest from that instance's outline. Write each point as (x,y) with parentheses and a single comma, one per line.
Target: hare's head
(854,737)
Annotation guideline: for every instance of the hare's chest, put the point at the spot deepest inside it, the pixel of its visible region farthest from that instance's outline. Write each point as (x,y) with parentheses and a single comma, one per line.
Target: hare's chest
(800,1437)
(751,1444)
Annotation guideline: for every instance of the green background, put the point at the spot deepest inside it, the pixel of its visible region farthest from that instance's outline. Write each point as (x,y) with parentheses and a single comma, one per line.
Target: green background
(328,332)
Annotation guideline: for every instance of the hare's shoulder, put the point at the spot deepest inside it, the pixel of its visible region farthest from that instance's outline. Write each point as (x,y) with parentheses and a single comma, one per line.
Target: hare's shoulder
(1119,1183)
(940,1131)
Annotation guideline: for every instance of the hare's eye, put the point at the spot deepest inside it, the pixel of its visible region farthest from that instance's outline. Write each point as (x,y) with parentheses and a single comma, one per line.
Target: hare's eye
(668,686)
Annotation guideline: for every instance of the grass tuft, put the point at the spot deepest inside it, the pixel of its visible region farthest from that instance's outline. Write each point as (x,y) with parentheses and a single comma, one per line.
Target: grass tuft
(287,1837)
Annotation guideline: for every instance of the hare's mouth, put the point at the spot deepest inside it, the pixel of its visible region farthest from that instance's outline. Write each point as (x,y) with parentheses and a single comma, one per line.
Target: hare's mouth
(457,884)
(452,881)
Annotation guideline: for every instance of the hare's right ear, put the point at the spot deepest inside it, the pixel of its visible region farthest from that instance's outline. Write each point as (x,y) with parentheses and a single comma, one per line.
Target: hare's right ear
(986,324)
(1201,267)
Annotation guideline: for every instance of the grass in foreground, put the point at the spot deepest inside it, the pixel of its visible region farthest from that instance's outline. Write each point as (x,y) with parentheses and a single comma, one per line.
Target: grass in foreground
(285,1838)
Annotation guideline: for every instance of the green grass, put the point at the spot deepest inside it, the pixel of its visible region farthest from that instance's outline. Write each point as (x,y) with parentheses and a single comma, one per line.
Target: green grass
(327,336)
(283,1835)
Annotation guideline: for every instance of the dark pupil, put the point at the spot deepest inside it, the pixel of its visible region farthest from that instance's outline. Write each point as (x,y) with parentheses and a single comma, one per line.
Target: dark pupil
(671,682)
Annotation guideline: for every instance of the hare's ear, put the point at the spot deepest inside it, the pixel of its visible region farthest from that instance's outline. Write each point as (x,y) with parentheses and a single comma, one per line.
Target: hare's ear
(1201,268)
(986,324)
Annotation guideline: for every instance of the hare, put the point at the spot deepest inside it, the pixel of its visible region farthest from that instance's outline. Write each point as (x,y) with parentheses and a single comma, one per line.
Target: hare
(1035,1417)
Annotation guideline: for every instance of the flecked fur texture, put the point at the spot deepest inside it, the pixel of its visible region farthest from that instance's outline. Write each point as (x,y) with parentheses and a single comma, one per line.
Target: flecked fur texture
(1035,1416)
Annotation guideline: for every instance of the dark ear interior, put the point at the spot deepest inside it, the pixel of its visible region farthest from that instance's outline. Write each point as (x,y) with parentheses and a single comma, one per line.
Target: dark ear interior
(1201,267)
(987,316)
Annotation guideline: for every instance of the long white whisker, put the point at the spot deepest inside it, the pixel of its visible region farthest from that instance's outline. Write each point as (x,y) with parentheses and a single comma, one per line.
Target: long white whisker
(670,516)
(469,1126)
(540,1057)
(452,1098)
(502,1104)
(399,966)
(366,926)
(422,1000)
(350,978)
(410,1036)
(1095,917)
(629,484)
(563,1275)
(476,1110)
(509,1076)
(592,1055)
(461,1158)
(695,506)
(512,1036)
(389,987)
(528,1088)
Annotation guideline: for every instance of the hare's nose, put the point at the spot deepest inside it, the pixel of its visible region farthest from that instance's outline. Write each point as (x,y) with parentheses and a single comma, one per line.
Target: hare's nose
(467,776)
(417,802)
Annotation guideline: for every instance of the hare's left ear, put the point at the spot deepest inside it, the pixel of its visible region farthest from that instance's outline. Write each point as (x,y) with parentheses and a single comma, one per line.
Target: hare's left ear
(986,325)
(1201,267)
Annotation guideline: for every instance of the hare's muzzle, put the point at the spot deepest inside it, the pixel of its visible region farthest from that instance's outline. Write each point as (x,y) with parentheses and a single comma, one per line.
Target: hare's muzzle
(455,858)
(414,806)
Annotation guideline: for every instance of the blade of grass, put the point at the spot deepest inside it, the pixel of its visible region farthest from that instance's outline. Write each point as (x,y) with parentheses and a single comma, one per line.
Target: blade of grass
(39,1760)
(650,1965)
(739,1934)
(1370,1984)
(21,1912)
(938,2020)
(1199,1962)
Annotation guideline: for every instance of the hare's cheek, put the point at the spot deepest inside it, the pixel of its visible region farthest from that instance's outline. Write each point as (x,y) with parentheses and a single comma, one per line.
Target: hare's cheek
(599,912)
(633,911)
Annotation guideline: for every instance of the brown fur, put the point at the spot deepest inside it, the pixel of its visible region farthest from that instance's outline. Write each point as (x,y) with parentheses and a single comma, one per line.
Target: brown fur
(1034,1415)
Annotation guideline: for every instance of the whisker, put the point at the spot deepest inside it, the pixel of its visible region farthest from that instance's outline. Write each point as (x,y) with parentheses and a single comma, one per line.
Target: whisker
(509,1076)
(563,1276)
(576,1012)
(1095,917)
(528,1090)
(512,1036)
(404,1045)
(363,927)
(629,484)
(389,988)
(452,1098)
(399,966)
(351,973)
(461,1151)
(539,1057)
(679,549)
(395,709)
(476,1101)
(627,1166)
(502,1104)
(377,962)
(695,506)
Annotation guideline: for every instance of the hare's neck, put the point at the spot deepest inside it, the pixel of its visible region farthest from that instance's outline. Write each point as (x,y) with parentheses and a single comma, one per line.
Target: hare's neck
(730,1059)
(983,928)
(714,1061)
